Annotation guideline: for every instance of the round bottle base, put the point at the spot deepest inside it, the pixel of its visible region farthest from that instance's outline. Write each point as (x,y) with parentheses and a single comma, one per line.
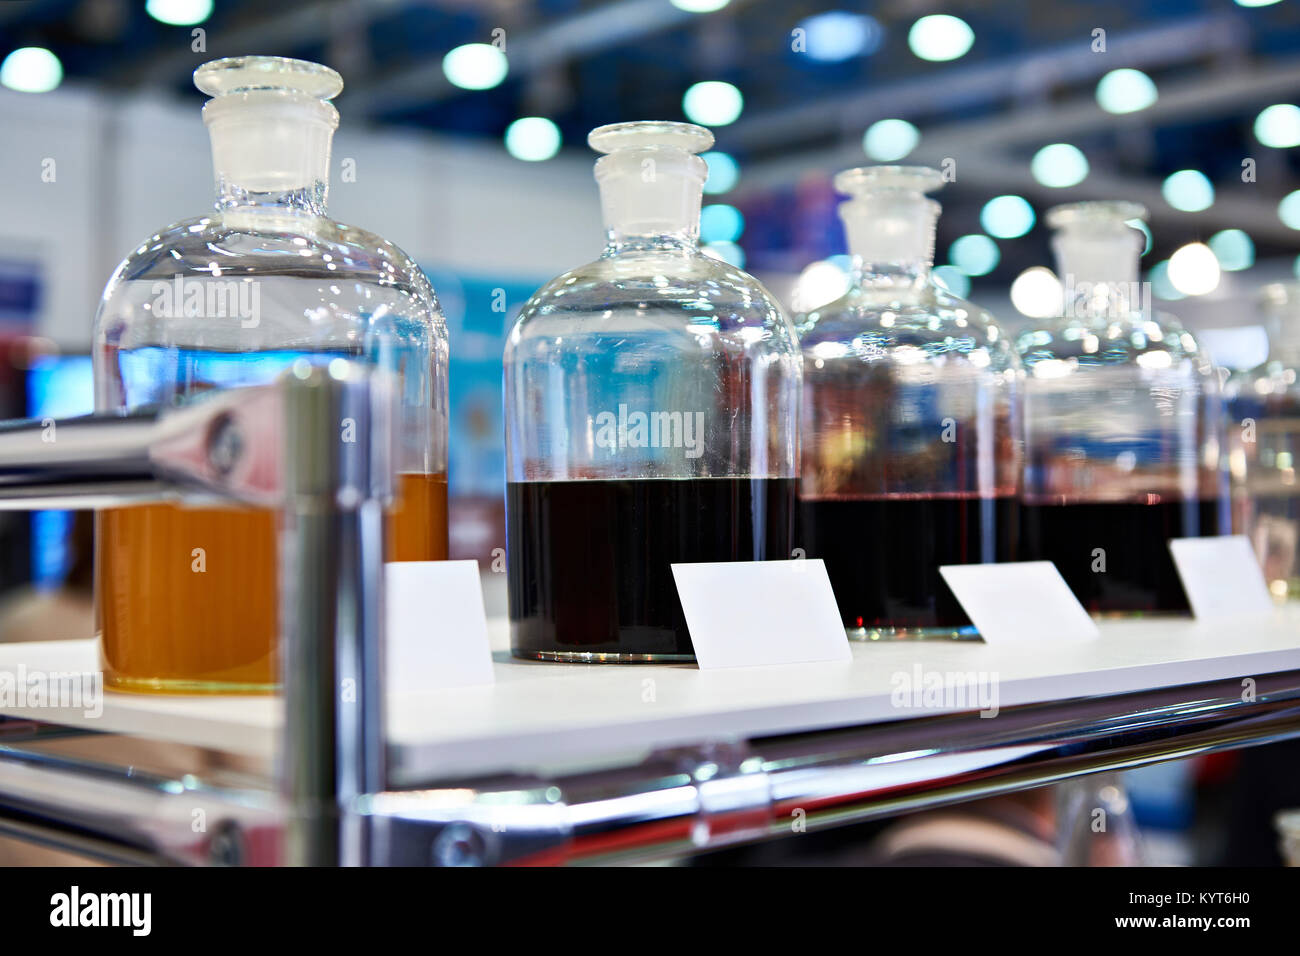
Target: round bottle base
(1139,615)
(147,685)
(595,657)
(962,633)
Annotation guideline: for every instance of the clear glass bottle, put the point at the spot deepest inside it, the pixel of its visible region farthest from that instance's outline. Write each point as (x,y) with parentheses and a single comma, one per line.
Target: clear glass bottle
(186,597)
(1264,442)
(651,402)
(911,449)
(1122,439)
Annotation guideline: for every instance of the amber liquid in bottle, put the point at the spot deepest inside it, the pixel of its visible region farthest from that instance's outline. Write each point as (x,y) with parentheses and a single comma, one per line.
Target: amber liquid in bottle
(187,597)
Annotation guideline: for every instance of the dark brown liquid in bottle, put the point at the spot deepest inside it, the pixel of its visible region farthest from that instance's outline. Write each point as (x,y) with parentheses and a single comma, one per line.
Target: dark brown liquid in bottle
(590,561)
(883,555)
(897,482)
(1115,555)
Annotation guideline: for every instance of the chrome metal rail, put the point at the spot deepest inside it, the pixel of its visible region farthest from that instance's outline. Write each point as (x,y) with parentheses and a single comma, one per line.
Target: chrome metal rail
(674,803)
(317,445)
(698,798)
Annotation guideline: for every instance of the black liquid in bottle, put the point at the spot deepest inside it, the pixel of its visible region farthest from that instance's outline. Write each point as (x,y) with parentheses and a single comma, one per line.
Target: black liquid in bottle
(1115,555)
(883,556)
(590,561)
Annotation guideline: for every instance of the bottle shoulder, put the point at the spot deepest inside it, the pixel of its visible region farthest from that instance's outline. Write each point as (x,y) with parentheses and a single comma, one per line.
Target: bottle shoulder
(672,291)
(300,270)
(927,316)
(1149,345)
(292,246)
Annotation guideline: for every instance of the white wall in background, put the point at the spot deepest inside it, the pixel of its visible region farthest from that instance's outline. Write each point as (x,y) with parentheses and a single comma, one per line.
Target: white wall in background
(161,170)
(469,206)
(127,167)
(53,223)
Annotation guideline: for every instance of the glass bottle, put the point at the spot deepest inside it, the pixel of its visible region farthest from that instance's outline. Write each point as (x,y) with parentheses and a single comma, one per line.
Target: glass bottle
(651,402)
(911,451)
(1122,438)
(1264,439)
(186,597)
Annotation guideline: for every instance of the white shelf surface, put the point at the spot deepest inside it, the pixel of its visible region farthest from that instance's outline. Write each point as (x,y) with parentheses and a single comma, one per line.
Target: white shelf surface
(544,716)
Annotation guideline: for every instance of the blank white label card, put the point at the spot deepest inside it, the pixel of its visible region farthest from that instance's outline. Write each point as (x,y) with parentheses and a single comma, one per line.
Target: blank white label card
(436,628)
(748,613)
(1019,602)
(1222,577)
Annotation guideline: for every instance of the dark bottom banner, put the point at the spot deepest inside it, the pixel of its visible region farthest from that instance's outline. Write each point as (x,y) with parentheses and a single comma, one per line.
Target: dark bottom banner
(258,907)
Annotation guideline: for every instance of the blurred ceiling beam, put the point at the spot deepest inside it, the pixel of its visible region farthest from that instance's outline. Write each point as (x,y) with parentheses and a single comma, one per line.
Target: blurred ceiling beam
(983,158)
(981,150)
(530,50)
(1231,210)
(299,24)
(595,30)
(1210,94)
(1205,96)
(1024,78)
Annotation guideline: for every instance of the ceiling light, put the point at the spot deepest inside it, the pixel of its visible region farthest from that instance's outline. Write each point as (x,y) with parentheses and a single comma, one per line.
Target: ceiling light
(475,66)
(940,37)
(720,222)
(1037,293)
(1007,217)
(1233,248)
(179,13)
(1279,126)
(954,280)
(31,69)
(713,103)
(838,35)
(724,172)
(700,6)
(1193,269)
(1125,91)
(1189,190)
(974,255)
(1059,165)
(728,252)
(889,140)
(533,139)
(819,283)
(1288,210)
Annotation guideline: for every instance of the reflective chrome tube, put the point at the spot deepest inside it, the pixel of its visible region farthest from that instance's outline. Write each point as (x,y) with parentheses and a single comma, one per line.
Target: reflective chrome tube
(331,554)
(318,445)
(673,803)
(90,462)
(226,446)
(691,799)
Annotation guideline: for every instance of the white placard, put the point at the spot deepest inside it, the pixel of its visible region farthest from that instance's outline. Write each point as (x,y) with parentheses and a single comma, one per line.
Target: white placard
(1221,577)
(436,629)
(748,613)
(1019,602)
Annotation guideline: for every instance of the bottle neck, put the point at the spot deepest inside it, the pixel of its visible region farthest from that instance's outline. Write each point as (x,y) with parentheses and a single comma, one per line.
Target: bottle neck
(889,275)
(239,199)
(1099,275)
(650,198)
(270,153)
(891,238)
